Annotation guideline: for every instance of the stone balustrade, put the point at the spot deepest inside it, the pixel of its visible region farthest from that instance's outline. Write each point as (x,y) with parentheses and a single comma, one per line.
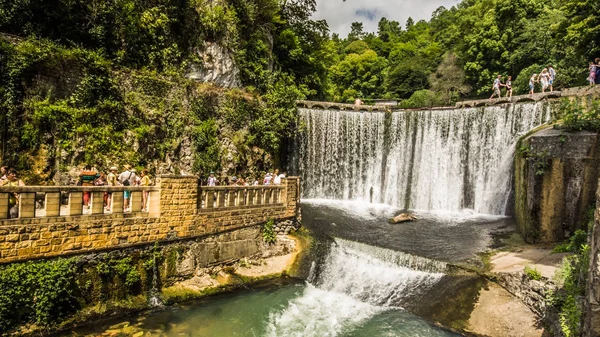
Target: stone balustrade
(219,197)
(178,209)
(53,201)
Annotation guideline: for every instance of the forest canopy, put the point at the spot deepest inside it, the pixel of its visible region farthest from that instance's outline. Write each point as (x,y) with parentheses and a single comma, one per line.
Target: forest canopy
(477,39)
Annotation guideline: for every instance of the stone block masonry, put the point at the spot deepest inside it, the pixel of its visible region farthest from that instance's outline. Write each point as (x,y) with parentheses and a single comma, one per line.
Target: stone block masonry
(175,213)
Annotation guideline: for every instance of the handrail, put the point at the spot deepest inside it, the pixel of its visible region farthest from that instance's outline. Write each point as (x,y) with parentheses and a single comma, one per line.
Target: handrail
(34,189)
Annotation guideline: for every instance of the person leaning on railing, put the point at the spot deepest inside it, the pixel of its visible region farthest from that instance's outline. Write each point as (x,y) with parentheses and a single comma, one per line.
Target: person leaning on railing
(13,200)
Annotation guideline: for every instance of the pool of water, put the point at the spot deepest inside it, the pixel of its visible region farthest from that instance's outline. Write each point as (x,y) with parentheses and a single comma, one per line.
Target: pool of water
(285,309)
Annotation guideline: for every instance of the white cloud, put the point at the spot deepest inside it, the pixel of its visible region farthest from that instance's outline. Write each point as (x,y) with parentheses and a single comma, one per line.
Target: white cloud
(340,14)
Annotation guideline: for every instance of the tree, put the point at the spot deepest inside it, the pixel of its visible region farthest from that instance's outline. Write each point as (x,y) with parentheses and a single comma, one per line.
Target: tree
(449,80)
(356,31)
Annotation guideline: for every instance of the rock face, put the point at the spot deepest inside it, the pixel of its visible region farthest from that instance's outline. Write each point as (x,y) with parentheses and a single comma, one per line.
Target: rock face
(533,294)
(218,67)
(555,181)
(591,321)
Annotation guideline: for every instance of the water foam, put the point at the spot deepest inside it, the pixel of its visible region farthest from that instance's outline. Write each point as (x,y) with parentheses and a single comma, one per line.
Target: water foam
(357,282)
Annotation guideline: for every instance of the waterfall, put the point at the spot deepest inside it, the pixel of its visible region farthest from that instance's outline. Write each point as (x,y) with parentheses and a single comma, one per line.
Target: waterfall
(450,159)
(154,299)
(356,282)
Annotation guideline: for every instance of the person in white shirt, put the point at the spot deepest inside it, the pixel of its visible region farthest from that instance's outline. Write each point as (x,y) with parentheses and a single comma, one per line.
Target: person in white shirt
(212,181)
(496,87)
(268,178)
(127,178)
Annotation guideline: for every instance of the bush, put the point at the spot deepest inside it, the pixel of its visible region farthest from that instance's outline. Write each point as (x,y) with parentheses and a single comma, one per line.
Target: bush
(533,273)
(268,233)
(577,117)
(37,292)
(421,99)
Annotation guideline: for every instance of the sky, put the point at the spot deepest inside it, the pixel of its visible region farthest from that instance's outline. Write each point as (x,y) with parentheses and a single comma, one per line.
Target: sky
(340,14)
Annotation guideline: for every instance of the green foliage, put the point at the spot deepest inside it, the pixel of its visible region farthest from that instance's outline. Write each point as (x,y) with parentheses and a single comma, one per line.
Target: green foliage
(268,233)
(575,244)
(575,116)
(421,98)
(533,273)
(37,292)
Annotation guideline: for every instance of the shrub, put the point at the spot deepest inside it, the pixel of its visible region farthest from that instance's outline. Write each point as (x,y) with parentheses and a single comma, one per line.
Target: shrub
(533,273)
(37,292)
(268,233)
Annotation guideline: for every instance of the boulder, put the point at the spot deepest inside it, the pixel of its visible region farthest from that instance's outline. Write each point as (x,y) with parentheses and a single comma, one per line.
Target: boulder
(402,217)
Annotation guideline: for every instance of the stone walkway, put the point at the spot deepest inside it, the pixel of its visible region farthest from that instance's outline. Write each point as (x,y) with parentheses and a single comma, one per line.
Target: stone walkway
(540,258)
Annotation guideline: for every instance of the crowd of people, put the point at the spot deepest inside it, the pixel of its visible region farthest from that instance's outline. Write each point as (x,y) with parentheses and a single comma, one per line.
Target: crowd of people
(545,78)
(128,177)
(269,179)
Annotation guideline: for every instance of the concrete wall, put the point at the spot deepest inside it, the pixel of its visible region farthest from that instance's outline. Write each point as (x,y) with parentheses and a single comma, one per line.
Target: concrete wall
(556,176)
(176,215)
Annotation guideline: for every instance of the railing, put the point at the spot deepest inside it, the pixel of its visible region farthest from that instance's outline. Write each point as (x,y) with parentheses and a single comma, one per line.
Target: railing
(217,197)
(54,201)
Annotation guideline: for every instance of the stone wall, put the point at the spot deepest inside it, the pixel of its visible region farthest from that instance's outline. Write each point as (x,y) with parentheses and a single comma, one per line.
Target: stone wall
(175,215)
(555,181)
(591,322)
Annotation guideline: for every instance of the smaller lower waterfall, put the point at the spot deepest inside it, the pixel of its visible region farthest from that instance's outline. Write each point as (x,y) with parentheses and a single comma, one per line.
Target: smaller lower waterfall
(355,283)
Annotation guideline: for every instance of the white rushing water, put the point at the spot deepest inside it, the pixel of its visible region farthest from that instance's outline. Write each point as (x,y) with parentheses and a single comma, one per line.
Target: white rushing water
(447,160)
(356,282)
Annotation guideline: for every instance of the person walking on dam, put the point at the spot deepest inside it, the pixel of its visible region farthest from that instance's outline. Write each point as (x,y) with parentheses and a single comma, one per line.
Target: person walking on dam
(496,87)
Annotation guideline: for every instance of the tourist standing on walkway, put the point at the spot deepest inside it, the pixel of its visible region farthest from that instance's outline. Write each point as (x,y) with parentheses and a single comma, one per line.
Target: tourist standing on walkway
(145,181)
(212,181)
(544,79)
(87,176)
(552,73)
(532,81)
(3,172)
(592,77)
(111,180)
(496,87)
(13,199)
(268,178)
(127,178)
(508,86)
(102,181)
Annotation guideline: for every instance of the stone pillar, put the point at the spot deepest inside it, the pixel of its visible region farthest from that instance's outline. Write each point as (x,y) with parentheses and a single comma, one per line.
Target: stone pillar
(4,206)
(153,205)
(27,205)
(116,204)
(136,202)
(75,203)
(97,202)
(52,204)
